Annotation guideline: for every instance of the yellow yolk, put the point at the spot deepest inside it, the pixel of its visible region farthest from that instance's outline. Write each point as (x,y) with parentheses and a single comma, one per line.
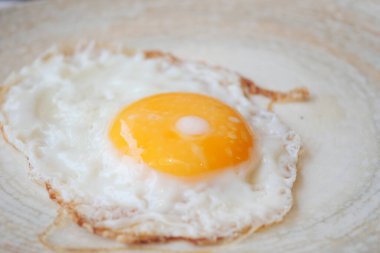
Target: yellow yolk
(183,134)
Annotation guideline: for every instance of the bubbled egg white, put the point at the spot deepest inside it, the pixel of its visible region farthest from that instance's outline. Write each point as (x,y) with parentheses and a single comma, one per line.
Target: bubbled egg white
(58,110)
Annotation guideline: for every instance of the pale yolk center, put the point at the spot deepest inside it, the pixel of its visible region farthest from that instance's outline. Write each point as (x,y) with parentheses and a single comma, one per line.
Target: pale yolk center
(183,134)
(192,125)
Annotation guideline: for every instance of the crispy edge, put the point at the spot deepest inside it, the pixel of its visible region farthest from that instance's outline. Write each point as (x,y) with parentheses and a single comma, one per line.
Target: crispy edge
(299,94)
(120,236)
(249,87)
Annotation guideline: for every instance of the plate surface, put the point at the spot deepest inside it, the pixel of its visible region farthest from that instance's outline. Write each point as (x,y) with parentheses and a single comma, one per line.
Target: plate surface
(331,47)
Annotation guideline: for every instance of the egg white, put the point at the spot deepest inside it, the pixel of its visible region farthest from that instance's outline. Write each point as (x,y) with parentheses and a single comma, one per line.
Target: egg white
(58,110)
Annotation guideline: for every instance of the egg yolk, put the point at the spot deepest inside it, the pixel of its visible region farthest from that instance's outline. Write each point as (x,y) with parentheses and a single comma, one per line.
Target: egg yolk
(183,134)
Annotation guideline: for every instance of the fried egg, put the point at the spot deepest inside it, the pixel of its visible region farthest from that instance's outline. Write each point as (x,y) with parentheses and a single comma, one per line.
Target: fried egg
(143,147)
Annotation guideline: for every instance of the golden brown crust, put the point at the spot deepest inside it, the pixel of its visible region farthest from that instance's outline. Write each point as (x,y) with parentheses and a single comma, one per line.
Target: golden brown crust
(299,94)
(117,235)
(150,54)
(249,88)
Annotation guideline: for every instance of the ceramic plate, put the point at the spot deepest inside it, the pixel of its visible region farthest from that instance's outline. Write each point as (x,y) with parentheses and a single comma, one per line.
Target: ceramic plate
(331,47)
